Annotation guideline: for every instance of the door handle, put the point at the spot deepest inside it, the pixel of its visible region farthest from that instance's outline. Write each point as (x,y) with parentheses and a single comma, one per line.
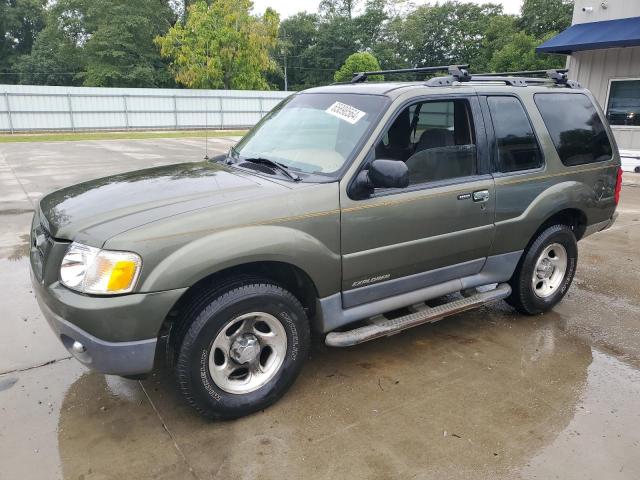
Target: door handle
(481,195)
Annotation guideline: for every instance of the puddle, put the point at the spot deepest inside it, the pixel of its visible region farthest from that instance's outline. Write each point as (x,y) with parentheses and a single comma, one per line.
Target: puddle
(7,383)
(484,394)
(22,250)
(16,211)
(604,428)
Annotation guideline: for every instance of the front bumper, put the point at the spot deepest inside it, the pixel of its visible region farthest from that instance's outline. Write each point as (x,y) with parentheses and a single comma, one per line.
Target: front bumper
(115,358)
(64,310)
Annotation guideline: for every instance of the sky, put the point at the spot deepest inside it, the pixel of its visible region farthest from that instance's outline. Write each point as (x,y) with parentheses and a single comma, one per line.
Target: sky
(286,8)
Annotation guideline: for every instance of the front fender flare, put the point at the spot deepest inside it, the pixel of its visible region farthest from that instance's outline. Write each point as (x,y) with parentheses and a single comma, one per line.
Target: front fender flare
(221,250)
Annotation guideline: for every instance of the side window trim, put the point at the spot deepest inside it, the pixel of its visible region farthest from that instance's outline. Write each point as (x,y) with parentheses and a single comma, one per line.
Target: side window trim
(493,141)
(483,161)
(384,192)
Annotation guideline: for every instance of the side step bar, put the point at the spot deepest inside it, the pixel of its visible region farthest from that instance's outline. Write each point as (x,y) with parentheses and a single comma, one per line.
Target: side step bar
(385,327)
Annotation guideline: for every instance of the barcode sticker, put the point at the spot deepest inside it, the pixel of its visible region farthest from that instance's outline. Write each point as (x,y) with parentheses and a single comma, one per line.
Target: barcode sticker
(346,112)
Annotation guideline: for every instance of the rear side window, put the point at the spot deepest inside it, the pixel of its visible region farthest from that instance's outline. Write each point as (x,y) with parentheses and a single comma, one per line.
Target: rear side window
(517,147)
(575,128)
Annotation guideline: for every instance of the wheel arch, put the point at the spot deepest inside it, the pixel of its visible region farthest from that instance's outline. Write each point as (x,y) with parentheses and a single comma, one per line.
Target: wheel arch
(573,217)
(569,203)
(287,275)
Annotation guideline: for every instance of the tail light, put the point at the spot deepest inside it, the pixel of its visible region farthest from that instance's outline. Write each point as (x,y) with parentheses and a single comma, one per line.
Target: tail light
(616,195)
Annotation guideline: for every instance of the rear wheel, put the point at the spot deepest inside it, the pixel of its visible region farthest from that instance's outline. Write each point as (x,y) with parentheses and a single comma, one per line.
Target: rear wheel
(242,350)
(545,271)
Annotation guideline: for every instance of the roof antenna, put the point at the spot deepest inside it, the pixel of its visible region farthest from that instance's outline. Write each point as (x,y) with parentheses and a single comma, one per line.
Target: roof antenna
(206,109)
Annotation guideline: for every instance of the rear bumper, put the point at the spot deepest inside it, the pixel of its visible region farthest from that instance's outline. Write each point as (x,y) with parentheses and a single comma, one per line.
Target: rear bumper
(64,310)
(600,226)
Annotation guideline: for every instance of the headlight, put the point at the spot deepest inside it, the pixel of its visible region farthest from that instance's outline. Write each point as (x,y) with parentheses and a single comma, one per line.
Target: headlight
(102,272)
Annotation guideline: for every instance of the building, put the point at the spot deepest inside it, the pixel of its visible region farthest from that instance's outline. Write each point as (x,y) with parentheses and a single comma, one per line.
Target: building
(603,45)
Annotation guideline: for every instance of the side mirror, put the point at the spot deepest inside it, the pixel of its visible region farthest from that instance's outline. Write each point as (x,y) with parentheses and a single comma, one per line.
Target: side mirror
(388,174)
(381,174)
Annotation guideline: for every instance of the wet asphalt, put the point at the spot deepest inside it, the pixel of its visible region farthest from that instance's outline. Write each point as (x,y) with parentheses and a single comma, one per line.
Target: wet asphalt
(484,394)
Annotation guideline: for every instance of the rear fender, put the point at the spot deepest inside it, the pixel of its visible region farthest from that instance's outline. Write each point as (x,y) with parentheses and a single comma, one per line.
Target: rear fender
(515,233)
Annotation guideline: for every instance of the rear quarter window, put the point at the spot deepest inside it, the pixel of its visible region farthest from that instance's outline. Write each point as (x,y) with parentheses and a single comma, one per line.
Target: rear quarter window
(575,127)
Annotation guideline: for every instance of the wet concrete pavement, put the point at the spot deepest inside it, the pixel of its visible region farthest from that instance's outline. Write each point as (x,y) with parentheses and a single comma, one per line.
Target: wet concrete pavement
(484,394)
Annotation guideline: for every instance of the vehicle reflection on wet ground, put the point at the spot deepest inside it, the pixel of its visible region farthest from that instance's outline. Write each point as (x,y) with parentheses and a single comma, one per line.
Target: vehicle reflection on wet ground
(484,394)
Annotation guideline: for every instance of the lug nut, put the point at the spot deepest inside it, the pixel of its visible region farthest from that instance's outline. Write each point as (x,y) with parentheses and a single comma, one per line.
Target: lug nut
(77,347)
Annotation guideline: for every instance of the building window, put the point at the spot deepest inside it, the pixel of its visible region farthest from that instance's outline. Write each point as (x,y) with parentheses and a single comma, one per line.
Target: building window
(623,107)
(575,127)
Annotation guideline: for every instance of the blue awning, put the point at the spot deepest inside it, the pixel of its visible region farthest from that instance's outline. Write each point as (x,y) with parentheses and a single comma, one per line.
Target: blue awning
(624,32)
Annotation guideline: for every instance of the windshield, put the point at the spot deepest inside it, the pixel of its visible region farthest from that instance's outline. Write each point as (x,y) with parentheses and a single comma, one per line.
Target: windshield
(312,132)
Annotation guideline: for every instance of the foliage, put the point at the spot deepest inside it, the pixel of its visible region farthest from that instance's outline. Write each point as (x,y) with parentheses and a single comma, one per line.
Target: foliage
(122,53)
(358,62)
(107,44)
(520,54)
(296,36)
(446,33)
(541,17)
(20,22)
(54,60)
(221,46)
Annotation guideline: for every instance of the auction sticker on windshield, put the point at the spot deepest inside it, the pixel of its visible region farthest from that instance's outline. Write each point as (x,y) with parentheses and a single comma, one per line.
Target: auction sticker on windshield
(345,112)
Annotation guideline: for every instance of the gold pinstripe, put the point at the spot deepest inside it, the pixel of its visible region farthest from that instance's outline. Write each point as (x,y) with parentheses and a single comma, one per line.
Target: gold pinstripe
(254,224)
(551,175)
(387,203)
(449,192)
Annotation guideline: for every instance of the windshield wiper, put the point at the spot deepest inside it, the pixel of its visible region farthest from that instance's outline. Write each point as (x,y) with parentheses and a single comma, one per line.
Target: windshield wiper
(277,165)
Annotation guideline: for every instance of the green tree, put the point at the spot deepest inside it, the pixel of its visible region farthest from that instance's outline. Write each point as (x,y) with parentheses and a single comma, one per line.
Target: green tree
(120,51)
(520,54)
(358,62)
(335,41)
(340,8)
(20,22)
(106,44)
(222,46)
(296,36)
(498,33)
(54,60)
(541,17)
(446,33)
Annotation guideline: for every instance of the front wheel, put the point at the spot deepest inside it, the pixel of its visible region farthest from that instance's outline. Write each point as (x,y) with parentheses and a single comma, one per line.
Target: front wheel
(243,350)
(545,271)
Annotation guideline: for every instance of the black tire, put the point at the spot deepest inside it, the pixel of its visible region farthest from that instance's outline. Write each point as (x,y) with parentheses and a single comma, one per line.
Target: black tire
(523,297)
(208,319)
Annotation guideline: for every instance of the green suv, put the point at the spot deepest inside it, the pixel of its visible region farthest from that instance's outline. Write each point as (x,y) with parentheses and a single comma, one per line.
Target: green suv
(340,213)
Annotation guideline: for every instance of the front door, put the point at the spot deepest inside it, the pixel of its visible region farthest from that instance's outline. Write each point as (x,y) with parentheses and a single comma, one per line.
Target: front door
(438,228)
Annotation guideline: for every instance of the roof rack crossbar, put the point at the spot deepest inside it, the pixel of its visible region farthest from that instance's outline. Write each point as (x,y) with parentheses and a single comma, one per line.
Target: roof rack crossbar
(362,76)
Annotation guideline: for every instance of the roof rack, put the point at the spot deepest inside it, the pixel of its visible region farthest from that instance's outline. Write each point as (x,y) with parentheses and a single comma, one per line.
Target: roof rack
(559,76)
(452,69)
(522,73)
(459,73)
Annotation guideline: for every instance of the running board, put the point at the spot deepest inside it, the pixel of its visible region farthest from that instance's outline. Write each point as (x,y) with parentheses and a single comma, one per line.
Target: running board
(382,327)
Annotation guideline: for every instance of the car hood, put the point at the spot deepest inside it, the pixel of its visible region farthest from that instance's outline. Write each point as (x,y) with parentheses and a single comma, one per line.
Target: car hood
(94,211)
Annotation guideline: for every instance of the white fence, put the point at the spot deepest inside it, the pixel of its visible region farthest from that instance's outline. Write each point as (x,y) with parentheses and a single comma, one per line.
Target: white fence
(26,108)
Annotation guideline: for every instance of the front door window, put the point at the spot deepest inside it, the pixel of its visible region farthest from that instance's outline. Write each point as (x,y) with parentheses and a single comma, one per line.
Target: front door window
(435,139)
